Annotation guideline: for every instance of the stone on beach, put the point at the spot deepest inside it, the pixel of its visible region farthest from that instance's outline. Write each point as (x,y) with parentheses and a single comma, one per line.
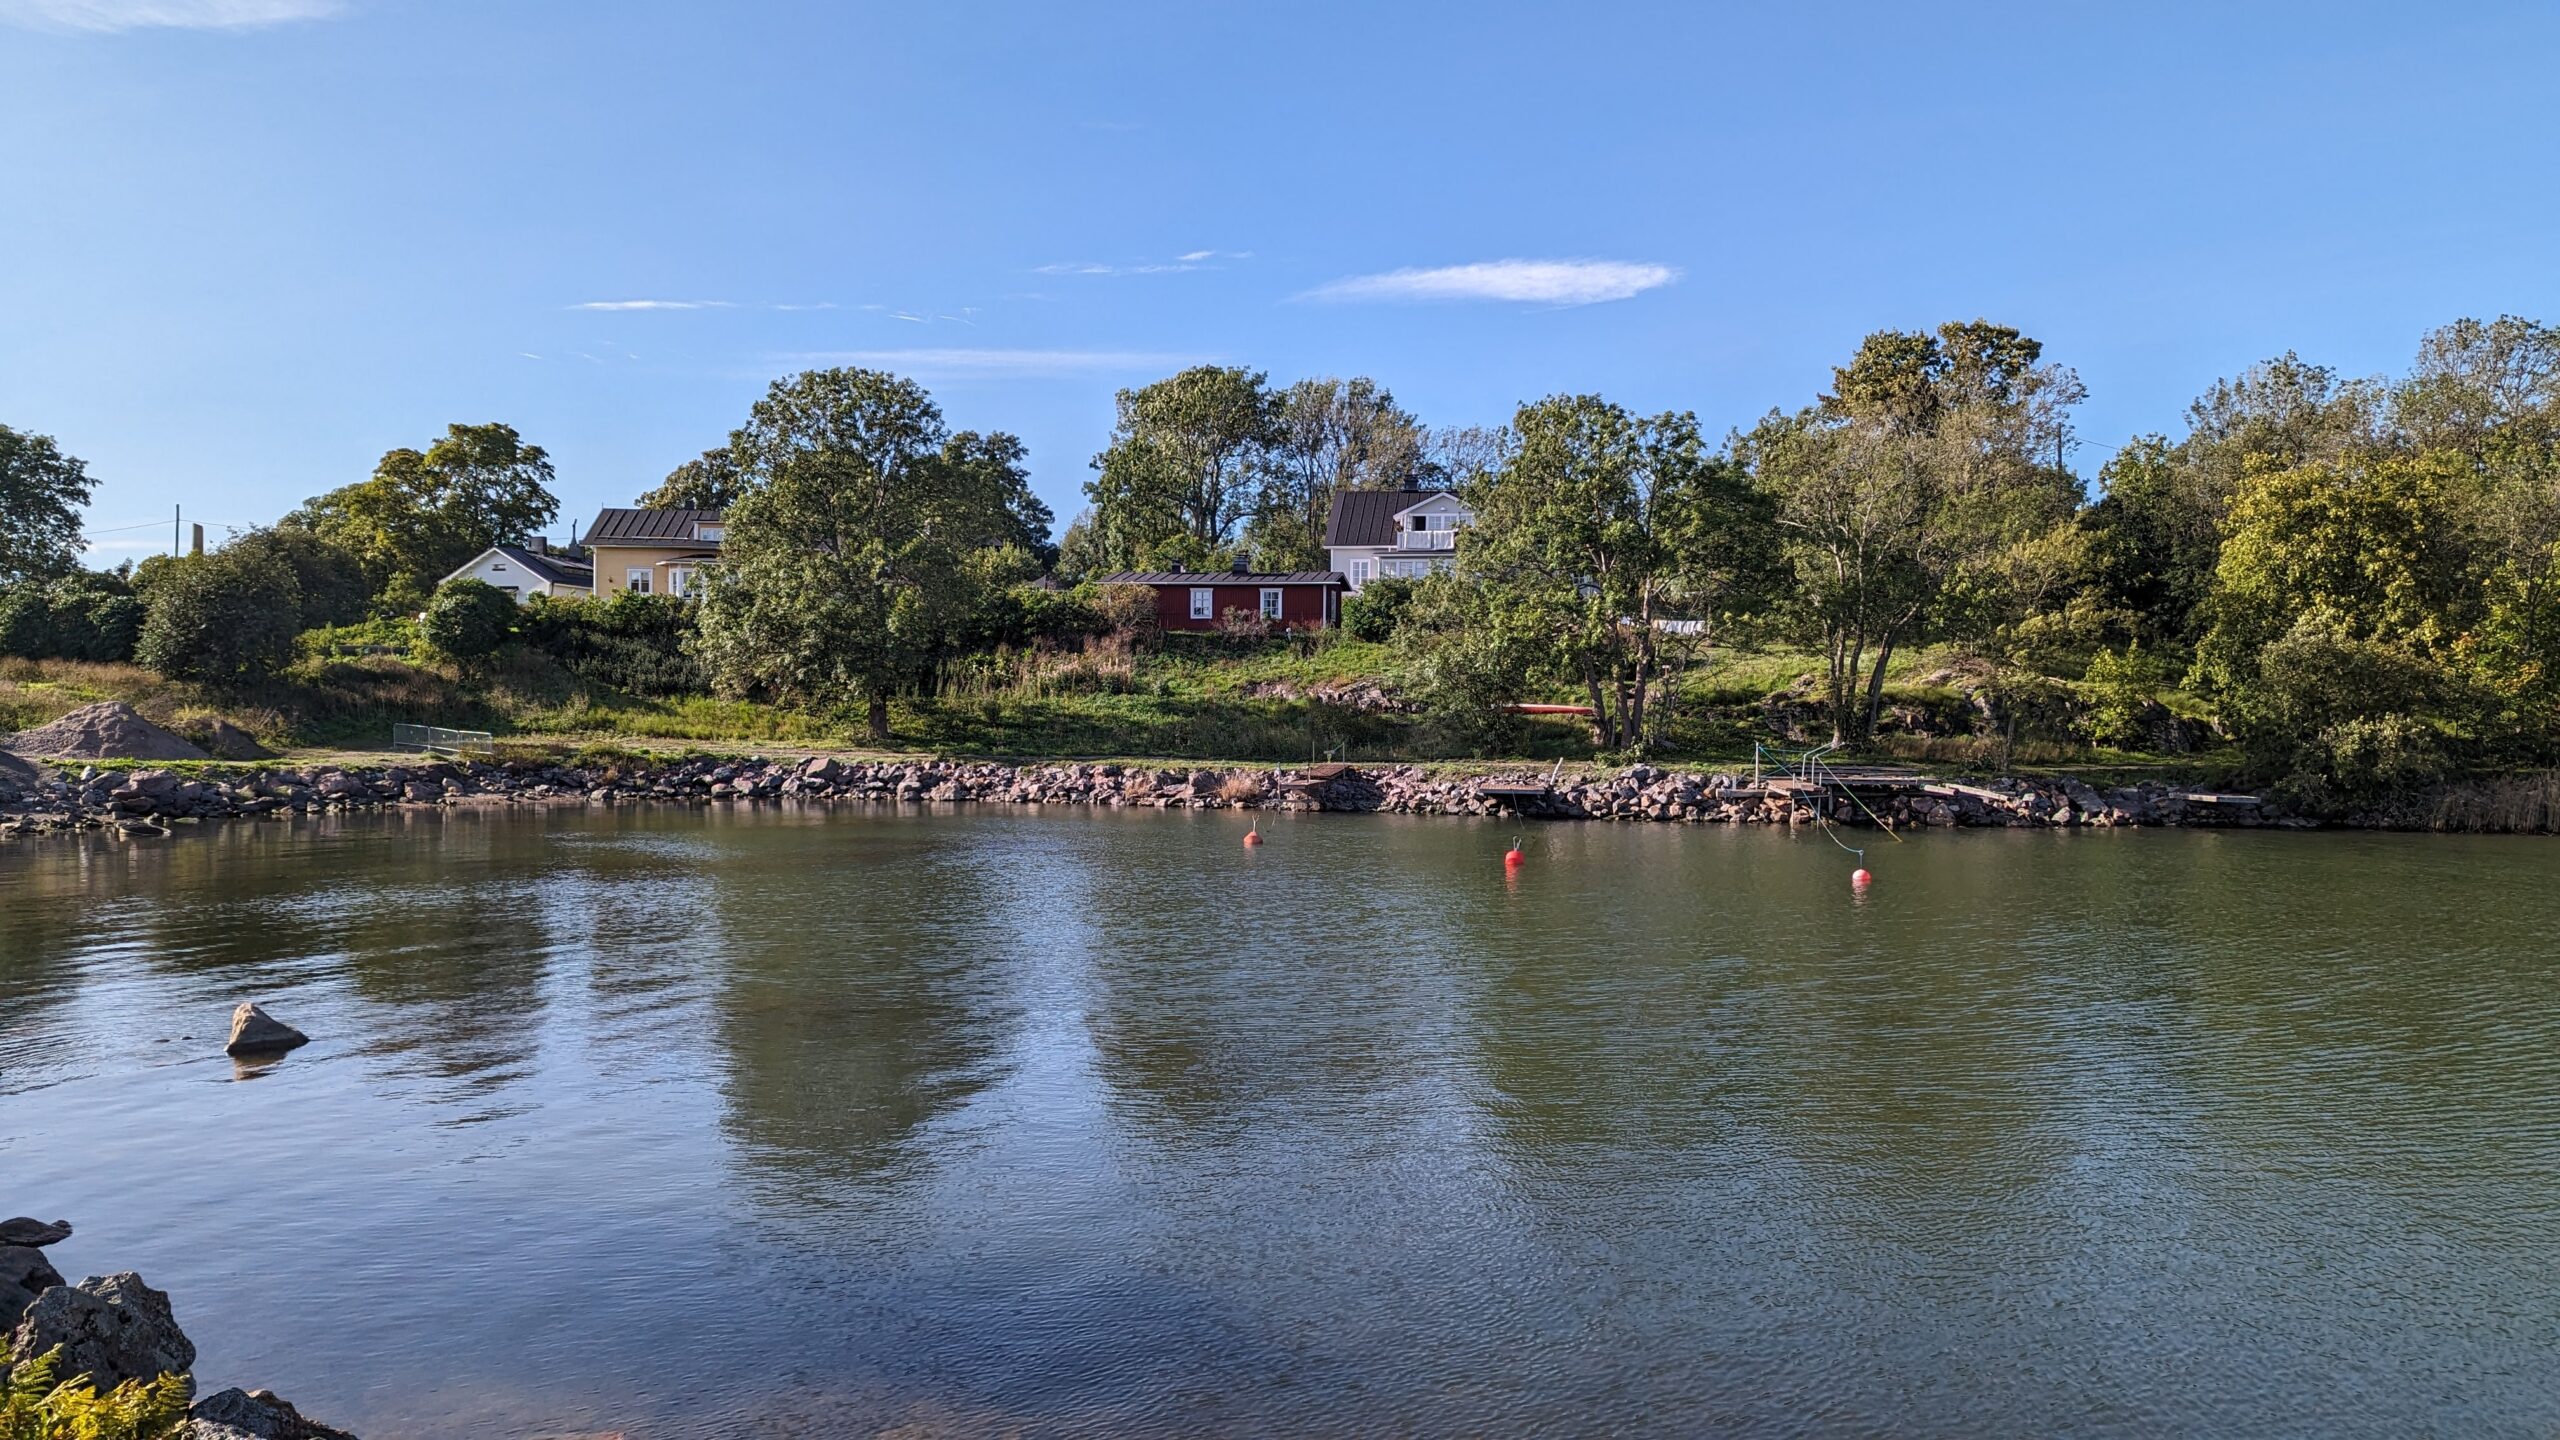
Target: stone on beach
(110,1329)
(237,1414)
(255,1032)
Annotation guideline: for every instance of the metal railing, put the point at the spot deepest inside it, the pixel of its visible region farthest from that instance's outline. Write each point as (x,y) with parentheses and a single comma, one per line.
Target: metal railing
(1426,539)
(438,740)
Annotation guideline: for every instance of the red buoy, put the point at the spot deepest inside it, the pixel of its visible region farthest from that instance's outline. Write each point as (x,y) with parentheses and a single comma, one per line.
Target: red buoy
(1512,859)
(1860,880)
(1252,837)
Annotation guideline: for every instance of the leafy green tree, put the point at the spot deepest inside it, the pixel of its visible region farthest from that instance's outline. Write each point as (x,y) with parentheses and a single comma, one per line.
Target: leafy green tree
(2155,536)
(1600,525)
(228,618)
(863,541)
(469,620)
(41,492)
(710,481)
(330,576)
(426,512)
(1183,470)
(1328,435)
(1903,497)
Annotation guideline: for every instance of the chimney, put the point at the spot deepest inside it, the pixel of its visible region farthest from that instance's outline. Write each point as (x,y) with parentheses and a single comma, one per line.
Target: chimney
(1177,567)
(538,544)
(1244,563)
(195,541)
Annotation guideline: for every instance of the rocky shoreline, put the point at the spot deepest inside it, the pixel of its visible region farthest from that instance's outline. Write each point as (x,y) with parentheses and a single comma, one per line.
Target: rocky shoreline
(112,1329)
(65,799)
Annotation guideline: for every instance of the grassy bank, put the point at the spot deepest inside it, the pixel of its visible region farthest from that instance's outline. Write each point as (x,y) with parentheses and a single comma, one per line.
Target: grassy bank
(1268,701)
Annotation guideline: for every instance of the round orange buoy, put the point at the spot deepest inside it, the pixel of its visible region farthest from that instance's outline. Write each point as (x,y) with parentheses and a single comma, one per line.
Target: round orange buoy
(1512,859)
(1860,879)
(1252,837)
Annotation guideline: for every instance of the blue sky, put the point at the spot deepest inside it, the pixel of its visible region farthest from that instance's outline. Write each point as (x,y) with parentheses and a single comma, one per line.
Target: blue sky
(251,244)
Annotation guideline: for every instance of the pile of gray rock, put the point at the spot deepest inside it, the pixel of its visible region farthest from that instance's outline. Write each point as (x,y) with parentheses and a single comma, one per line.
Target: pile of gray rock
(112,1328)
(152,802)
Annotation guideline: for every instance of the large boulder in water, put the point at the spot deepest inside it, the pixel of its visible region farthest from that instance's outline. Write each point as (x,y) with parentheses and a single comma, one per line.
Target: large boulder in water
(255,1032)
(252,1415)
(23,1231)
(110,1330)
(108,730)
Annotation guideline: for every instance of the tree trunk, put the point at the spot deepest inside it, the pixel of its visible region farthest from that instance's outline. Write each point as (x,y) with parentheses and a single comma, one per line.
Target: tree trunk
(1875,687)
(877,723)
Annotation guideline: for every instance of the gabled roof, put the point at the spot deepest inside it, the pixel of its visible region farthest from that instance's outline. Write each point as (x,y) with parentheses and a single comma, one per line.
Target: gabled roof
(548,568)
(1223,577)
(557,569)
(650,527)
(1368,517)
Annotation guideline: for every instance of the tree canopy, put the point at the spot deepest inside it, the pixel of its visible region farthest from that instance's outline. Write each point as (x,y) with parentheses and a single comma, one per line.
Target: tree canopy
(41,492)
(425,512)
(866,535)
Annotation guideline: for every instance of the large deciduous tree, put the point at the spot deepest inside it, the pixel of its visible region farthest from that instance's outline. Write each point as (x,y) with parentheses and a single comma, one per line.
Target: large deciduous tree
(41,492)
(1182,472)
(225,619)
(709,481)
(1328,436)
(1598,526)
(426,512)
(866,535)
(1903,496)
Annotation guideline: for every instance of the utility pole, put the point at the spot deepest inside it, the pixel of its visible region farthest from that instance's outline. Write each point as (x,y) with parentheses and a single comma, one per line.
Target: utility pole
(177,513)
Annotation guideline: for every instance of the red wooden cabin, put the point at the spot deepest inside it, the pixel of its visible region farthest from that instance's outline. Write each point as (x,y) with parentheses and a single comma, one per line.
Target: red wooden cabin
(1202,599)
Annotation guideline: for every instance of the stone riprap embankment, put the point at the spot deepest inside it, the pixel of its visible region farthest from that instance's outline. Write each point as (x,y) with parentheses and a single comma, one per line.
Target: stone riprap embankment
(152,802)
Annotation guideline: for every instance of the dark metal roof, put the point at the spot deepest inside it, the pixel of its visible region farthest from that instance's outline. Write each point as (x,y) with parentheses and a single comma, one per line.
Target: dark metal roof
(1368,517)
(650,527)
(1223,577)
(555,569)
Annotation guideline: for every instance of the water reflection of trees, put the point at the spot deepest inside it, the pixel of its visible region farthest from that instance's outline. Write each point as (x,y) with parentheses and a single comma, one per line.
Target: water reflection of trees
(865,995)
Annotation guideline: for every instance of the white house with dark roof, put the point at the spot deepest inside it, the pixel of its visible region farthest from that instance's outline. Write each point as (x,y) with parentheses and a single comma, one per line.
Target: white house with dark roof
(1372,534)
(530,569)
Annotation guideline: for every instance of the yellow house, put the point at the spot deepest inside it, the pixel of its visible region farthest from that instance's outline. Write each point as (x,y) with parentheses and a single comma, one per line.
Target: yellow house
(652,552)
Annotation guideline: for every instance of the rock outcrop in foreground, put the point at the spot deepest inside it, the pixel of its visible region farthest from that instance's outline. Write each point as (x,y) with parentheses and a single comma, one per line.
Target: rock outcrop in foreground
(113,1328)
(149,802)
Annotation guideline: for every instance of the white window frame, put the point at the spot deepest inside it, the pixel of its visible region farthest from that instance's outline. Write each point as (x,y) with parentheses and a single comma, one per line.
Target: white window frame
(1271,606)
(681,579)
(1362,570)
(1204,603)
(713,533)
(636,580)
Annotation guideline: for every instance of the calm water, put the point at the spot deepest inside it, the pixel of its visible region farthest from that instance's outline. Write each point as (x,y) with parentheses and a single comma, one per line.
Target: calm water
(779,1123)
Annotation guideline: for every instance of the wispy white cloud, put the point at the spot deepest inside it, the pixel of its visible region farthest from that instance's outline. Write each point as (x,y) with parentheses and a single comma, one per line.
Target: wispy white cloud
(103,16)
(1000,364)
(690,304)
(1187,261)
(1528,282)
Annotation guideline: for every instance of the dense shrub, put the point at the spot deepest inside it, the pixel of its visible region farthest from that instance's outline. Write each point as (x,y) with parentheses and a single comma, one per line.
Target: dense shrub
(1378,609)
(330,576)
(225,619)
(468,620)
(81,616)
(2124,691)
(1129,611)
(636,644)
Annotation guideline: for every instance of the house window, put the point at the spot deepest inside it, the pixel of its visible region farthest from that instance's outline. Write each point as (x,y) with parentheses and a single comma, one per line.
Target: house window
(1204,604)
(713,533)
(636,579)
(1271,603)
(680,580)
(1361,570)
